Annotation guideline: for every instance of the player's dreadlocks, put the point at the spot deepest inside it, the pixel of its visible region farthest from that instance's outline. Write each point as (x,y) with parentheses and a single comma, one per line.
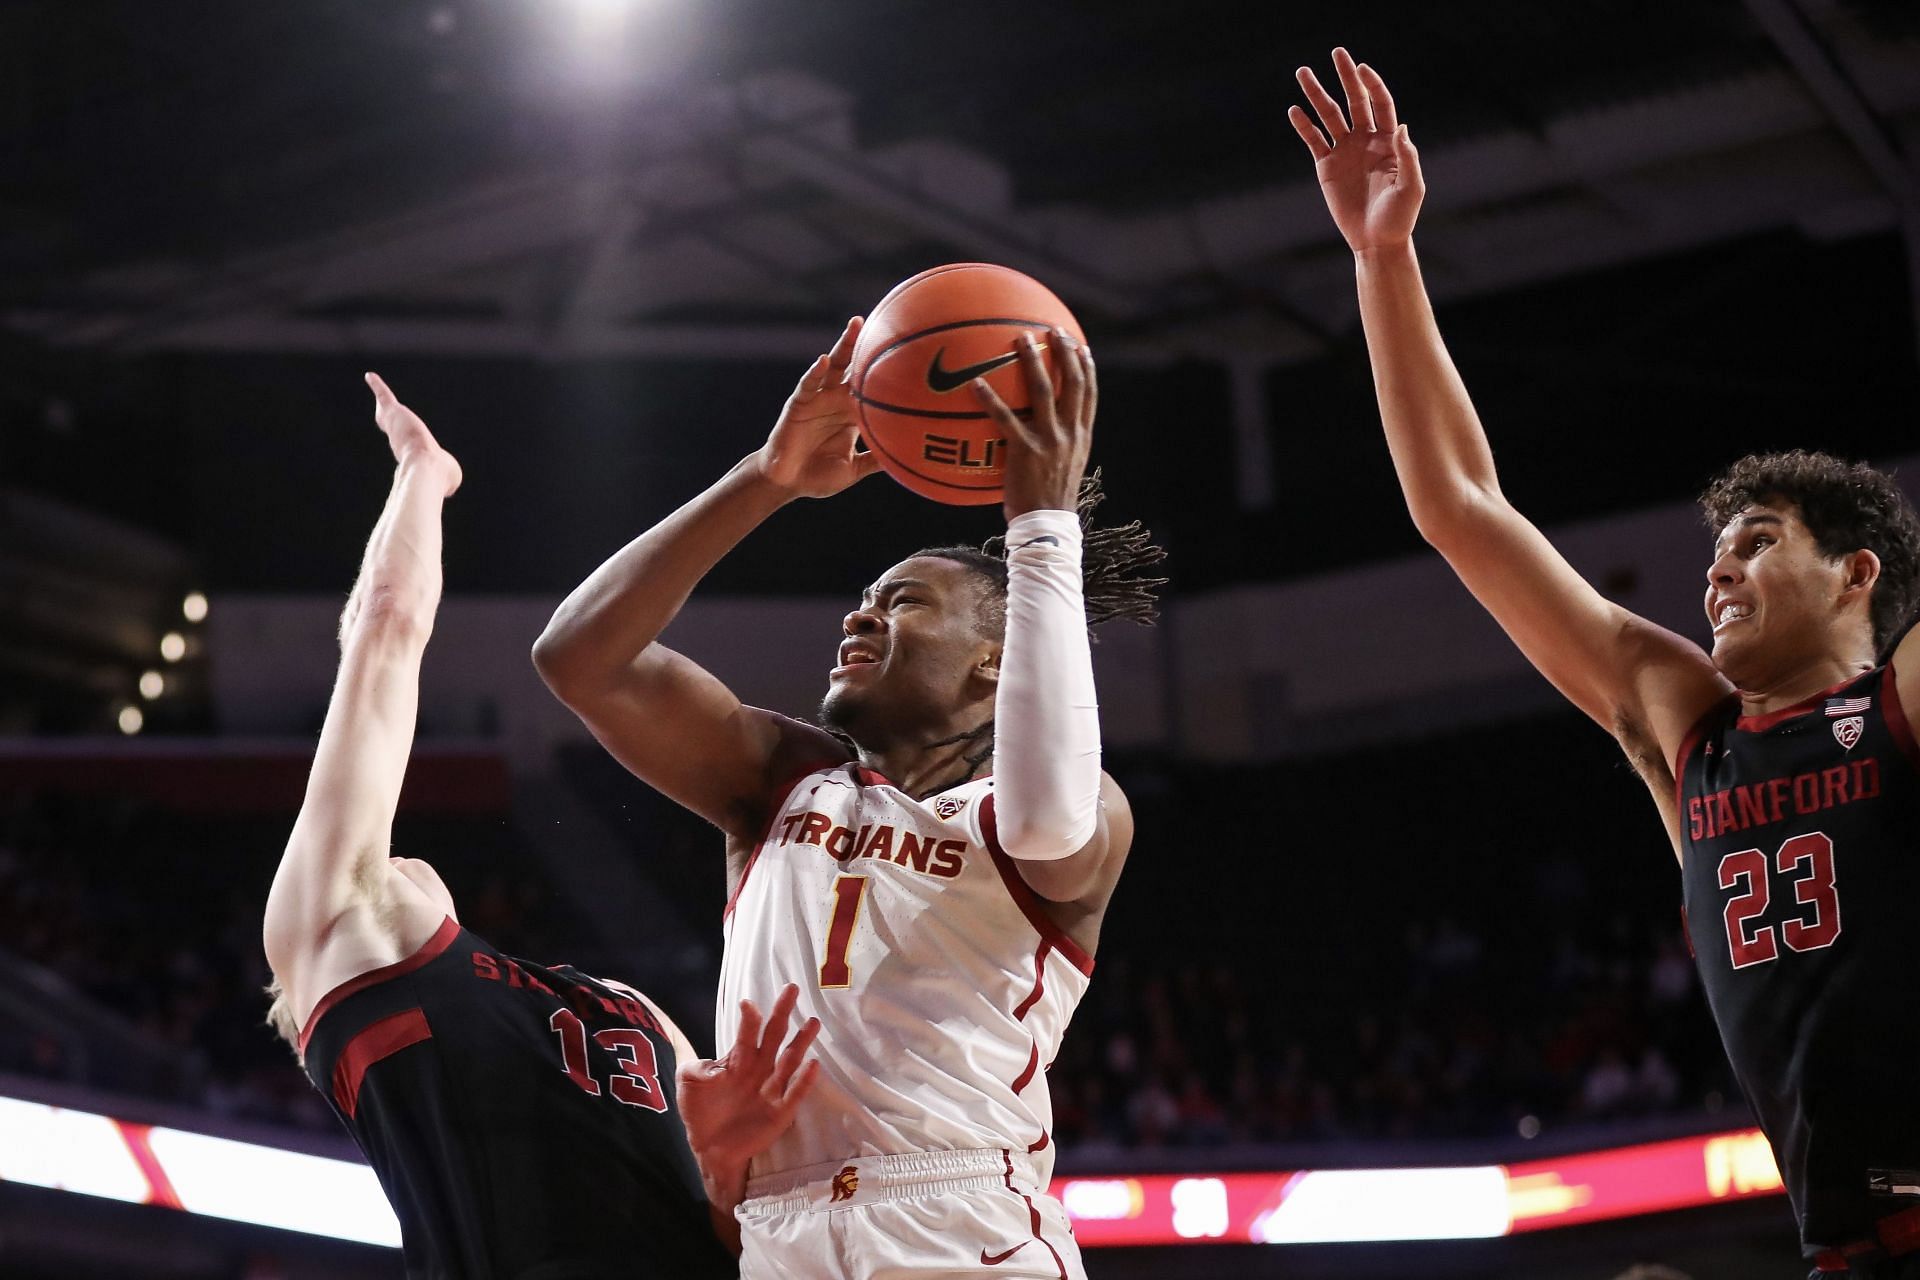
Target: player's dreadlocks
(1111,560)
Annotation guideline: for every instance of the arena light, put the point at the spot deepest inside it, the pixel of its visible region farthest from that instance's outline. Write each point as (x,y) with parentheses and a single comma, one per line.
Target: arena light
(1629,1181)
(1200,1209)
(1336,1205)
(601,12)
(97,1155)
(173,646)
(596,27)
(194,607)
(601,51)
(131,720)
(1322,1206)
(44,1146)
(275,1188)
(152,685)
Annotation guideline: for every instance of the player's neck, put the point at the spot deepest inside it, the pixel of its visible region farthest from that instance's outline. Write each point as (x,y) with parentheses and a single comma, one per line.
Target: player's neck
(1767,693)
(933,762)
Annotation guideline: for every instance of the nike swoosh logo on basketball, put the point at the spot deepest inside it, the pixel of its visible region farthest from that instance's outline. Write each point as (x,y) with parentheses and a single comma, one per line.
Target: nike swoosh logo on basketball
(940,381)
(995,1259)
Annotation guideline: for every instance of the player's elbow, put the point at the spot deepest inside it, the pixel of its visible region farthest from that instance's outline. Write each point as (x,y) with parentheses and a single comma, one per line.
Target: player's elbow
(583,675)
(390,617)
(549,658)
(1453,517)
(568,653)
(1435,523)
(565,664)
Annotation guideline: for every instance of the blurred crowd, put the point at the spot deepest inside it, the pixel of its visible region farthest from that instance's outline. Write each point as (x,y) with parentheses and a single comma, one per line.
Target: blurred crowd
(1254,984)
(1459,1038)
(130,945)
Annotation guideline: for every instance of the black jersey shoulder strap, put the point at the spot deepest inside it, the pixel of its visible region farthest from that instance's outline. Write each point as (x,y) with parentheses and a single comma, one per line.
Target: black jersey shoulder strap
(383,1035)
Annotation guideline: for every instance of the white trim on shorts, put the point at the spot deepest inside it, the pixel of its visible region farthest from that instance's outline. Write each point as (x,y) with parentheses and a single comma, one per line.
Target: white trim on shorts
(860,1180)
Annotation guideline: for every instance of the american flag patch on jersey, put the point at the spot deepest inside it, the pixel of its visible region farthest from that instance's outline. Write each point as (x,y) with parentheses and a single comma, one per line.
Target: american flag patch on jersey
(1848,706)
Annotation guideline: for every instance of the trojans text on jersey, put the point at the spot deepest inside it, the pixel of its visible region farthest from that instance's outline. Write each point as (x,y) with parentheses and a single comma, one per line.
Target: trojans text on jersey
(901,846)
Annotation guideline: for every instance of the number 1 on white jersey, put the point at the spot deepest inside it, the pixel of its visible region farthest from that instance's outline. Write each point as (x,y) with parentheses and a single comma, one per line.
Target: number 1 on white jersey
(847,894)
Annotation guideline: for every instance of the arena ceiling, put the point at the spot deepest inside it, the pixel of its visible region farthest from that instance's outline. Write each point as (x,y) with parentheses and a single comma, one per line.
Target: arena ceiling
(1657,230)
(721,179)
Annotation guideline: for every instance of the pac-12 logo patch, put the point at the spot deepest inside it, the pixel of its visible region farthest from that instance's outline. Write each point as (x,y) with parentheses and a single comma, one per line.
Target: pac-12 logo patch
(845,1183)
(947,806)
(1847,732)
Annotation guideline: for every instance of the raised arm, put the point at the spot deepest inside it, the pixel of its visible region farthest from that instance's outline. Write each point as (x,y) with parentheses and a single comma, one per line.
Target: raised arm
(1056,813)
(1639,681)
(337,908)
(669,721)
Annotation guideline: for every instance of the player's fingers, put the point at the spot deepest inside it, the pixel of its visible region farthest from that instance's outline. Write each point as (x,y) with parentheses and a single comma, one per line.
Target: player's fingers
(1385,118)
(814,380)
(1015,427)
(1323,105)
(794,1054)
(1092,403)
(747,1039)
(1040,390)
(1073,380)
(776,1028)
(1409,157)
(797,1089)
(1309,132)
(865,463)
(842,354)
(1359,105)
(382,393)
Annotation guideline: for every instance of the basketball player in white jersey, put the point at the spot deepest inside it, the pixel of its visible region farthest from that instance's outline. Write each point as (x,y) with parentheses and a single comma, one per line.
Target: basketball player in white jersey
(931,867)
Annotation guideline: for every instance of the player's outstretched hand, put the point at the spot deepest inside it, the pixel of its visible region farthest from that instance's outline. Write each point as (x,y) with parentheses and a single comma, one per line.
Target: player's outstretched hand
(1368,168)
(1047,449)
(407,435)
(812,452)
(734,1106)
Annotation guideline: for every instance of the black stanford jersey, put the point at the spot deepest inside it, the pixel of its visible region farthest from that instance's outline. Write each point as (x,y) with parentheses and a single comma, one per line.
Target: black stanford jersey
(521,1118)
(1802,890)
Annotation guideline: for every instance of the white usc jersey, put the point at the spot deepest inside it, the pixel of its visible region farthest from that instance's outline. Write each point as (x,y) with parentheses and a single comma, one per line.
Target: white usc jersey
(942,987)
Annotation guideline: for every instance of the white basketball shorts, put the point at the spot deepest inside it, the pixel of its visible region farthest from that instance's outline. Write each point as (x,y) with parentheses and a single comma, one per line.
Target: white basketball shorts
(906,1217)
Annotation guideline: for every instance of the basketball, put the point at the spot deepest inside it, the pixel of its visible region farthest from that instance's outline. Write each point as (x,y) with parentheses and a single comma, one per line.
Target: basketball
(919,350)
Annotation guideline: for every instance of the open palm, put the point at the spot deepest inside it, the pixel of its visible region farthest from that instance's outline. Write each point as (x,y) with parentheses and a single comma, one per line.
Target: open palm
(1368,168)
(812,452)
(736,1105)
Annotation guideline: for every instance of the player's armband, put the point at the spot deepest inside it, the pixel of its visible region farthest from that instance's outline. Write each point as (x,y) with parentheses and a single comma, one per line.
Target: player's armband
(1046,714)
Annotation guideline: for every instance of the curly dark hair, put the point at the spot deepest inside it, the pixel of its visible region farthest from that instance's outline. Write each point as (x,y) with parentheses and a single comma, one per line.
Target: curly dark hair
(1112,585)
(1110,563)
(1847,506)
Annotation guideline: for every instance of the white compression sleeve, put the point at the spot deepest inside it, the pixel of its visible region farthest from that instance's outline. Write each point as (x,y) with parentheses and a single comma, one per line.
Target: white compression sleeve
(1046,716)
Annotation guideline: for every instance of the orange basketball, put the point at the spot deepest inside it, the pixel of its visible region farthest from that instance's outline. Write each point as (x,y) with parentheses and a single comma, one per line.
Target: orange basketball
(918,352)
